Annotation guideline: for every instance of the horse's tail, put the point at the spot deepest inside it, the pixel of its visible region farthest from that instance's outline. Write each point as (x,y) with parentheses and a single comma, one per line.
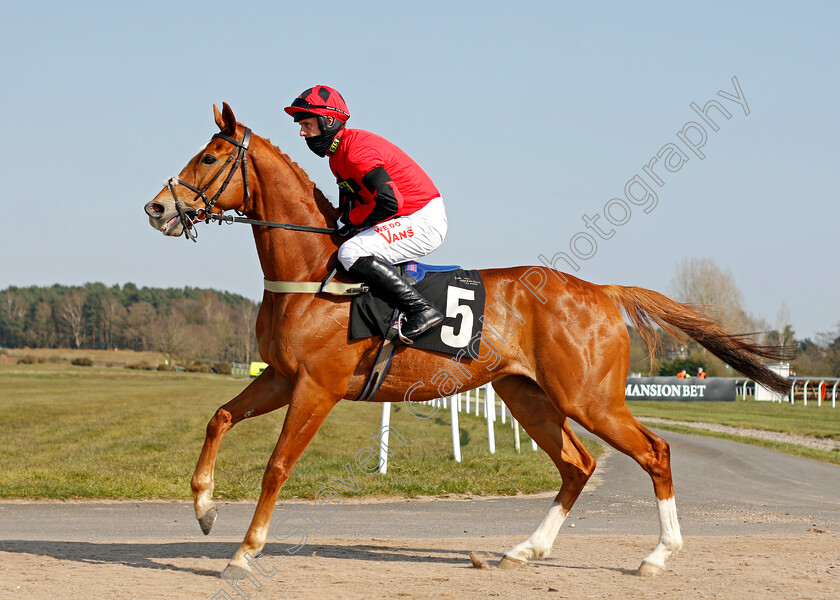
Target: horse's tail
(647,309)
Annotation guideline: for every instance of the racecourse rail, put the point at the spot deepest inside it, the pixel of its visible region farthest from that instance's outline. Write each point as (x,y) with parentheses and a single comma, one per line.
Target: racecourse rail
(456,404)
(800,387)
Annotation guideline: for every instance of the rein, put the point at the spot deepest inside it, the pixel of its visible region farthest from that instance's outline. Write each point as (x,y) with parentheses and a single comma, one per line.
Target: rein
(190,216)
(222,218)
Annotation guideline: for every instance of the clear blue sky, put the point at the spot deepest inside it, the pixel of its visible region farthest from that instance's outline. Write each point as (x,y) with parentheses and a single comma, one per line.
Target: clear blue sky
(528,116)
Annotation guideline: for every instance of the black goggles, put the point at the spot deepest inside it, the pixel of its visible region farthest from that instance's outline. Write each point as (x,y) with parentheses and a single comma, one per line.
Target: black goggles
(303,104)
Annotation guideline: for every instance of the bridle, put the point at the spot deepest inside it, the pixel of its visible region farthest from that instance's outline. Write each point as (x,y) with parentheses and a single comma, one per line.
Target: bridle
(190,216)
(239,156)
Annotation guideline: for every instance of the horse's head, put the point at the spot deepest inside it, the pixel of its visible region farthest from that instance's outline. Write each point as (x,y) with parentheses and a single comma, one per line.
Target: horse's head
(215,180)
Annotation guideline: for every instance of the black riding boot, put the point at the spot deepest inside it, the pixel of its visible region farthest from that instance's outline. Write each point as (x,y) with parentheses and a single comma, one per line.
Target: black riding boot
(421,315)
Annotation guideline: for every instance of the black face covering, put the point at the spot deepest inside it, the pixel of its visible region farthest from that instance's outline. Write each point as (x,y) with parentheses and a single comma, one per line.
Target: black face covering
(319,144)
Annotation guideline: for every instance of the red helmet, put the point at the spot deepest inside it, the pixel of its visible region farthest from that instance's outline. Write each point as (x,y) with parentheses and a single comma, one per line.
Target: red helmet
(320,100)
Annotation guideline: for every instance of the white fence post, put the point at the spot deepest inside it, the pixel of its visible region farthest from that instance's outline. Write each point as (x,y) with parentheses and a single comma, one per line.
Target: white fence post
(515,435)
(489,411)
(492,407)
(456,436)
(384,433)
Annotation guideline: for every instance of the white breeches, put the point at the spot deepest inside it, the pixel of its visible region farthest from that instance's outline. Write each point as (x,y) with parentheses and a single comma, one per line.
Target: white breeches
(400,239)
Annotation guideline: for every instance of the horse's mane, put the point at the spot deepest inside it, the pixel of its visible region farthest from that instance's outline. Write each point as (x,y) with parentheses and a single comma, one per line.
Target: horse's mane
(298,171)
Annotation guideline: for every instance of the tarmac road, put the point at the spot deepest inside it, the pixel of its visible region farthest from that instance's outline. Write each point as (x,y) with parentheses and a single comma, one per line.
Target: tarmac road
(723,488)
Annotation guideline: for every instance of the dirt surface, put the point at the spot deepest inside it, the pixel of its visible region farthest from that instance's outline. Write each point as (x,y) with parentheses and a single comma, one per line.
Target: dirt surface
(599,566)
(757,524)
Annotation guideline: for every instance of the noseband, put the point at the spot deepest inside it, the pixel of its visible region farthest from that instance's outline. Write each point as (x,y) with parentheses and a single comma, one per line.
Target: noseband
(190,216)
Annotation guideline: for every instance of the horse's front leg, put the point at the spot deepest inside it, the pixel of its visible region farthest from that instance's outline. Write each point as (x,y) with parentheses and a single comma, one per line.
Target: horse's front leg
(308,409)
(266,393)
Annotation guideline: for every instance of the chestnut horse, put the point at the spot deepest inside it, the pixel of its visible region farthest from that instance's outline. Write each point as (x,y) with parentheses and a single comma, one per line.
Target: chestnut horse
(565,357)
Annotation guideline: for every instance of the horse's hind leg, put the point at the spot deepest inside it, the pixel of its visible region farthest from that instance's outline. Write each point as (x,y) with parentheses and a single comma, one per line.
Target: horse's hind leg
(550,429)
(266,393)
(613,423)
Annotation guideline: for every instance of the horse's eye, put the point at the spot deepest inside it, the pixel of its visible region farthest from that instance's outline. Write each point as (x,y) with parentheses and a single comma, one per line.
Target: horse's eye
(208,159)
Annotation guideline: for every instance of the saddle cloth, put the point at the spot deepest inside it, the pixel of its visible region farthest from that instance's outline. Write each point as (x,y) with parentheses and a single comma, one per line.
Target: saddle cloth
(457,293)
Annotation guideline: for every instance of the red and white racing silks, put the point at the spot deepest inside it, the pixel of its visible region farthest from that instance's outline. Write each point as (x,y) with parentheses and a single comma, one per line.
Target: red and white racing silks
(384,191)
(378,179)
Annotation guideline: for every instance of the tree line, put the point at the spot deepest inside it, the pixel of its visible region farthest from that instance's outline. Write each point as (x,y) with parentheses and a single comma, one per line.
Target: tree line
(187,324)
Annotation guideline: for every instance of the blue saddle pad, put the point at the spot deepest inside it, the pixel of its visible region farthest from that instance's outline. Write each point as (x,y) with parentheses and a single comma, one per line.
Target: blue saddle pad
(418,270)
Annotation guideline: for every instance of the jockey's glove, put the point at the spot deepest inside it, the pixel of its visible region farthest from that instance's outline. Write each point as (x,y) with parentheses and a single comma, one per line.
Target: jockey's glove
(345,229)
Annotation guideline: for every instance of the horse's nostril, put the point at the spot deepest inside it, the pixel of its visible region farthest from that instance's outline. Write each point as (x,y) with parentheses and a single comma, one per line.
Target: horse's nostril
(153,209)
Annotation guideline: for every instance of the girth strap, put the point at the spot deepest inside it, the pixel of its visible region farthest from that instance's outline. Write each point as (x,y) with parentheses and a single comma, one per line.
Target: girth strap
(315,287)
(382,362)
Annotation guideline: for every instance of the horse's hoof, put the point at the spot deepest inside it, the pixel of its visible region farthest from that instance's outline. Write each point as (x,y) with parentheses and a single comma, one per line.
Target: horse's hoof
(206,520)
(509,562)
(479,562)
(649,570)
(234,573)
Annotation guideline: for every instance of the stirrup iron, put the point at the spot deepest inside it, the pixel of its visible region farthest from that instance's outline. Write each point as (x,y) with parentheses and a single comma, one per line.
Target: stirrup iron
(396,325)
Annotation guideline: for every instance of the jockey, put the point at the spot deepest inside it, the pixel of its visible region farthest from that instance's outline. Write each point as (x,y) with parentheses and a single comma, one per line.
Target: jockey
(389,206)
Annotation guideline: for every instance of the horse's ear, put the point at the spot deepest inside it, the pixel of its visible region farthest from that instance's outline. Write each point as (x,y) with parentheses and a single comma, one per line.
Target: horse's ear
(229,119)
(225,119)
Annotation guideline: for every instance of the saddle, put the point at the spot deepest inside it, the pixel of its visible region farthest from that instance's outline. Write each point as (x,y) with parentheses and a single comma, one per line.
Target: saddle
(458,294)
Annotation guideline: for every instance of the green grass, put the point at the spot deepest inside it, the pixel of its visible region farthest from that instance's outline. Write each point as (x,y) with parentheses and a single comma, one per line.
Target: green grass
(99,432)
(812,420)
(88,432)
(817,421)
(832,457)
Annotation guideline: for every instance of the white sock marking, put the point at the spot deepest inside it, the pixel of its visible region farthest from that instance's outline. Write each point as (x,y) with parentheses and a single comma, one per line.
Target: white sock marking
(670,539)
(541,541)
